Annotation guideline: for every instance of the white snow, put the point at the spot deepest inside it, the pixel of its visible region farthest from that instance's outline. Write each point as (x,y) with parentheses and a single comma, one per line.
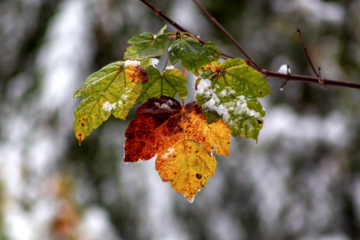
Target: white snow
(165,106)
(109,106)
(203,85)
(132,63)
(169,67)
(225,109)
(284,69)
(169,152)
(153,62)
(232,112)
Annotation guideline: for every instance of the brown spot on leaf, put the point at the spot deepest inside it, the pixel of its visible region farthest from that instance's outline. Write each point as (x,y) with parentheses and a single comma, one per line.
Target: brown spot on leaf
(82,124)
(259,121)
(198,176)
(141,73)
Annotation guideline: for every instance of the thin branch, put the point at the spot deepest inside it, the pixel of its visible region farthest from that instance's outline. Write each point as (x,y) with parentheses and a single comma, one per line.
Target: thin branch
(223,30)
(307,54)
(175,24)
(266,73)
(308,79)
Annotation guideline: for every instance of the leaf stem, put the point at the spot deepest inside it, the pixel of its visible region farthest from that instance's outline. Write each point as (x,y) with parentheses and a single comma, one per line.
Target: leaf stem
(167,60)
(192,36)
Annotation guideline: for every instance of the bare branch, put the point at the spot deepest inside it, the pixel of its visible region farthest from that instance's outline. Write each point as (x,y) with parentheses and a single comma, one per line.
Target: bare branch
(266,73)
(175,24)
(309,79)
(307,54)
(231,38)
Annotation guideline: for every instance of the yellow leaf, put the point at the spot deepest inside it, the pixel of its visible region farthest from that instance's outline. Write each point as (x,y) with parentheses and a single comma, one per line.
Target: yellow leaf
(185,143)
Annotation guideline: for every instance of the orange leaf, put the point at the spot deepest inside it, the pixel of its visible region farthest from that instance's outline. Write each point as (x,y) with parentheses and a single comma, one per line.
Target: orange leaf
(183,140)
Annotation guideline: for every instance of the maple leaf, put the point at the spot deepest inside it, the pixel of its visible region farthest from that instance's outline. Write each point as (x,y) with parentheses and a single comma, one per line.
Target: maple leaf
(147,45)
(166,84)
(230,91)
(140,141)
(113,89)
(182,139)
(193,55)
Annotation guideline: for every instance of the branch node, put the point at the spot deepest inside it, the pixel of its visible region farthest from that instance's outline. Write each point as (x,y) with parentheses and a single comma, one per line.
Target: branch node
(288,72)
(321,80)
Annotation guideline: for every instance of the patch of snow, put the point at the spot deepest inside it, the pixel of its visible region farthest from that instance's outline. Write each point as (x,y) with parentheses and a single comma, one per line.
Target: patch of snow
(169,152)
(132,63)
(169,67)
(232,112)
(109,106)
(284,69)
(153,62)
(203,85)
(165,106)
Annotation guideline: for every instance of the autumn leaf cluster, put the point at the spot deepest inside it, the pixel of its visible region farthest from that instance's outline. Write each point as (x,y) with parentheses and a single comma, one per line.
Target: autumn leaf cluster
(181,137)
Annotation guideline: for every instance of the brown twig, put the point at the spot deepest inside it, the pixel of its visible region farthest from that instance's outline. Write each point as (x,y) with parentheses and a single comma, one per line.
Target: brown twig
(223,30)
(309,79)
(308,55)
(175,24)
(266,73)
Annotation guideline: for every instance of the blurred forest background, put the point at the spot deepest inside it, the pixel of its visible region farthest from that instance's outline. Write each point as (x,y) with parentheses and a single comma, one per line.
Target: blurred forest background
(300,181)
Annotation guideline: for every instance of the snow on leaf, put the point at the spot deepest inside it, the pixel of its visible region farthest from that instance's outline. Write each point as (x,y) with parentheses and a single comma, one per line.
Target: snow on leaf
(167,84)
(149,62)
(231,93)
(193,55)
(182,139)
(105,92)
(147,45)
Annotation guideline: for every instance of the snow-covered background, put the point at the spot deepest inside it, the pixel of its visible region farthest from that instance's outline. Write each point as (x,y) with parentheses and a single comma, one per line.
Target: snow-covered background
(300,181)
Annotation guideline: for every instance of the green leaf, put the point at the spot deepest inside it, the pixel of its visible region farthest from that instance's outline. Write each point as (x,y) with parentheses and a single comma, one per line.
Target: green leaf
(169,83)
(147,45)
(212,51)
(193,55)
(161,31)
(149,62)
(113,89)
(231,93)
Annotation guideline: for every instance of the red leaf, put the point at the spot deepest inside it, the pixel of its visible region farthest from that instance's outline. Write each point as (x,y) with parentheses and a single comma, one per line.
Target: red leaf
(140,143)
